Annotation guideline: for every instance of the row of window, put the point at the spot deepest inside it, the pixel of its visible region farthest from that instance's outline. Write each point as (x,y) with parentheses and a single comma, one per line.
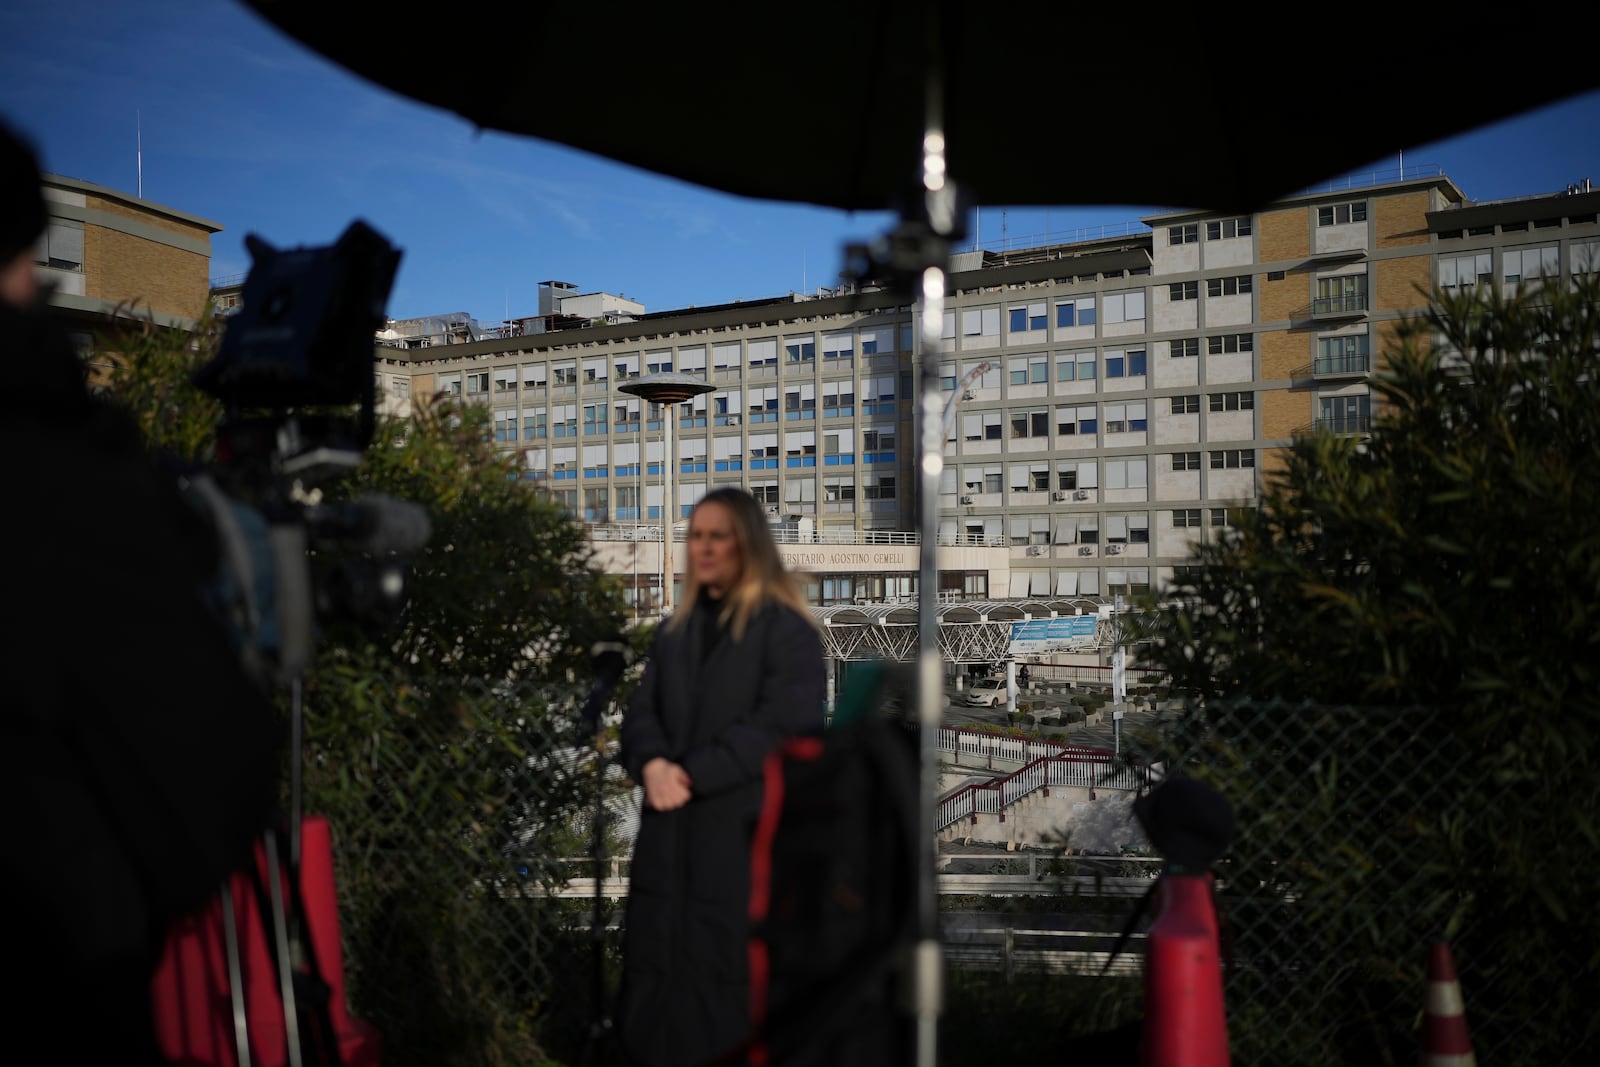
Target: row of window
(622,503)
(1527,263)
(1106,309)
(1114,528)
(1080,420)
(1065,476)
(1220,230)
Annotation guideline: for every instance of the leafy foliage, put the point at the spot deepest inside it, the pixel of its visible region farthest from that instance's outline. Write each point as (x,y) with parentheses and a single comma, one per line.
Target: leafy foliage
(1447,568)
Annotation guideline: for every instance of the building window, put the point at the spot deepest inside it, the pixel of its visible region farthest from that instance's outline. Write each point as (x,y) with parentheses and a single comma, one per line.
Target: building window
(1186,405)
(1080,312)
(1126,364)
(1230,286)
(1227,343)
(60,247)
(1186,461)
(877,446)
(1339,214)
(1127,417)
(1178,291)
(980,322)
(1030,424)
(1340,294)
(1187,234)
(1077,421)
(1124,307)
(1523,264)
(1226,228)
(1471,269)
(1028,370)
(1232,458)
(1130,473)
(477,382)
(1345,354)
(1184,348)
(1232,401)
(1028,317)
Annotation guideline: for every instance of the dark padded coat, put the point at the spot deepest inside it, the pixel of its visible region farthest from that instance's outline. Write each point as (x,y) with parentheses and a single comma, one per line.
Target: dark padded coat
(717,706)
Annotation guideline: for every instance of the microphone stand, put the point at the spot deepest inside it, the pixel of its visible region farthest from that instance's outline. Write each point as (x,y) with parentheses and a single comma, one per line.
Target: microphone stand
(609,659)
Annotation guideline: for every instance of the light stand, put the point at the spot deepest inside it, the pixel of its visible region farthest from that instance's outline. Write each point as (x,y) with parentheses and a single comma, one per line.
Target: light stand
(669,390)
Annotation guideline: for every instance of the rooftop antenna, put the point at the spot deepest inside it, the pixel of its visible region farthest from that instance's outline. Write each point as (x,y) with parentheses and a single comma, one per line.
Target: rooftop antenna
(138,150)
(1402,165)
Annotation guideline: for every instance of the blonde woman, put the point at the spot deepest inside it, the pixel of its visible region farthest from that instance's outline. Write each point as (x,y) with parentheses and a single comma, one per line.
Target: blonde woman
(735,669)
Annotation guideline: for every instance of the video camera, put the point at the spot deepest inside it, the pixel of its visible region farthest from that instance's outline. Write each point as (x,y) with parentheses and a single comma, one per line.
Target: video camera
(294,372)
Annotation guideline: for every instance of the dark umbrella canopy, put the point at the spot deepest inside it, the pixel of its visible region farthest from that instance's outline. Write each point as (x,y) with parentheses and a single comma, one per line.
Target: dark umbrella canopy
(1041,104)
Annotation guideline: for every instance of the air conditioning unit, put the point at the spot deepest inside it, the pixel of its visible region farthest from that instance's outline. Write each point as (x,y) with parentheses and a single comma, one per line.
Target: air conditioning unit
(966,501)
(1085,550)
(1113,550)
(1035,550)
(772,509)
(1080,494)
(1059,496)
(733,420)
(969,395)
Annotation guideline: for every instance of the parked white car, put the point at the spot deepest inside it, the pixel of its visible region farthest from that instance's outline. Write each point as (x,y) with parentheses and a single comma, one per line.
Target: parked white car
(987,692)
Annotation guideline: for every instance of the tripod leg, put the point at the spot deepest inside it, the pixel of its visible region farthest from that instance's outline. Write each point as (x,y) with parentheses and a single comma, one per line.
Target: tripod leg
(280,933)
(230,940)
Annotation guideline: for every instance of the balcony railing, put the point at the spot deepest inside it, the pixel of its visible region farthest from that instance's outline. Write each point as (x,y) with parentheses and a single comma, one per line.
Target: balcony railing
(1347,304)
(1344,363)
(1343,424)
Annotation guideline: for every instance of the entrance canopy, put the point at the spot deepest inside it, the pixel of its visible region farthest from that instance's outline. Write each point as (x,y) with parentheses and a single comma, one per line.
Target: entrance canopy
(970,631)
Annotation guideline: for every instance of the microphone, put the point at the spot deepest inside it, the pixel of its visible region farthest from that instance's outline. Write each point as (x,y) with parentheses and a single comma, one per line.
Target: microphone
(608,657)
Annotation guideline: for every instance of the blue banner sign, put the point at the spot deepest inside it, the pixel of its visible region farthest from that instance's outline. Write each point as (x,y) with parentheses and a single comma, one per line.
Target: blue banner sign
(1053,635)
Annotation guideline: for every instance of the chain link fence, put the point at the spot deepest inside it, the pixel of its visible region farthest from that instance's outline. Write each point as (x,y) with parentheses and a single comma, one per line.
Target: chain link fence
(458,809)
(1364,836)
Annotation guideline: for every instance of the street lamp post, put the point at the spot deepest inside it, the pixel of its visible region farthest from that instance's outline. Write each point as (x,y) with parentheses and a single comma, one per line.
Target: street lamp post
(669,390)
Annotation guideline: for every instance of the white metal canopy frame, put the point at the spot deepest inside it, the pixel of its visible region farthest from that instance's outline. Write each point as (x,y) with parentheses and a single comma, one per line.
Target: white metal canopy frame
(969,631)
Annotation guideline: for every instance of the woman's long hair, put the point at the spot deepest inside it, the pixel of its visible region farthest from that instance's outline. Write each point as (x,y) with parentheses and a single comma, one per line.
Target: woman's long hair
(762,576)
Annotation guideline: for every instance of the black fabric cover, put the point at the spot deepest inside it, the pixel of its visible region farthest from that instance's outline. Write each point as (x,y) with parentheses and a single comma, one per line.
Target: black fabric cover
(137,760)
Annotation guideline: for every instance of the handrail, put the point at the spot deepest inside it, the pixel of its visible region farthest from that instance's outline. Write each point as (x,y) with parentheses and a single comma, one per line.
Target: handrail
(1038,772)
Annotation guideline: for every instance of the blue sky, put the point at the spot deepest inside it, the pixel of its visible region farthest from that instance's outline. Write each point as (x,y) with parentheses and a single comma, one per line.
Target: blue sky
(228,119)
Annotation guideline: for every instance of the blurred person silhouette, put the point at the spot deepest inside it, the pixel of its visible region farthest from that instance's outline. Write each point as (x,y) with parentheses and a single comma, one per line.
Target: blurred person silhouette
(737,668)
(138,760)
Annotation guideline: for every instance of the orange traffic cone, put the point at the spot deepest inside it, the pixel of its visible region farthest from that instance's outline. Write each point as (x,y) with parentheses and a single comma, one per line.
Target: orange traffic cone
(1185,1022)
(1444,1039)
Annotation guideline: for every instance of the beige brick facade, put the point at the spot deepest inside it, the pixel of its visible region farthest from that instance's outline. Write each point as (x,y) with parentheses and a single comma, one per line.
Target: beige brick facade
(1401,283)
(1284,299)
(1284,235)
(123,268)
(1401,220)
(1283,411)
(1283,354)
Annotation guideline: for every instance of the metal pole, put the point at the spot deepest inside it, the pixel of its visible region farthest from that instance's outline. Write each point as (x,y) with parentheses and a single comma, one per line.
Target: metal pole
(938,207)
(668,507)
